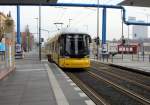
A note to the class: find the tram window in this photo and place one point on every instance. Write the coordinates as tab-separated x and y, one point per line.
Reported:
49	48
53	46
61	45
56	47
80	44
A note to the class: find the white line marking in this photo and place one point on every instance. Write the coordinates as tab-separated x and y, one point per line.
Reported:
66	77
59	95
31	69
82	95
77	89
43	60
63	74
69	80
72	84
89	102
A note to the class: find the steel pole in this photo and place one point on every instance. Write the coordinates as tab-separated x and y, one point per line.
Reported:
97	29
18	24
69	22
104	28
122	32
40	32
128	38
37	27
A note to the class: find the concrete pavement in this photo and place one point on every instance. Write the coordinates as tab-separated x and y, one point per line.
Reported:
40	83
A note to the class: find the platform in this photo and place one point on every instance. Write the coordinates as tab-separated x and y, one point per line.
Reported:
40	83
141	66
128	62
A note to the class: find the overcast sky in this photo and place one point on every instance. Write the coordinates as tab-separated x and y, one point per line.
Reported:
84	19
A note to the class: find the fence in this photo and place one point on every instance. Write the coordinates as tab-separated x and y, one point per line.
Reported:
123	58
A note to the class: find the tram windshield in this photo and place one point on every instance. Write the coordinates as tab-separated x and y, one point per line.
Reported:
76	45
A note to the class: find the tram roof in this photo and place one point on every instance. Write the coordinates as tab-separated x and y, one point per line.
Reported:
26	2
64	31
141	3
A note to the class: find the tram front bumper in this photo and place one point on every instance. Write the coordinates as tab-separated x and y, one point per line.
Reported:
75	63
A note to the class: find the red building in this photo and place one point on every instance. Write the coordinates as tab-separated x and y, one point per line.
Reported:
27	41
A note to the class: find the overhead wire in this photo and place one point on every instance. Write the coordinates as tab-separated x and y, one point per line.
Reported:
108	1
62	15
87	16
80	17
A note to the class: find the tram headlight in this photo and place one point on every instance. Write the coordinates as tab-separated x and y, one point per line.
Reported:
66	56
87	56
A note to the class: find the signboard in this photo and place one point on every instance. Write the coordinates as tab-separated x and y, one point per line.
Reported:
18	48
2	47
26	2
104	48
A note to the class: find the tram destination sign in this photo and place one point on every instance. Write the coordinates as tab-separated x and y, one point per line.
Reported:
26	2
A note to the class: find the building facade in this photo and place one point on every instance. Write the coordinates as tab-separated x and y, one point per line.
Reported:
3	17
7	39
140	32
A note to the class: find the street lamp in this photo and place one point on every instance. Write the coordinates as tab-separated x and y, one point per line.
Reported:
57	23
128	38
69	22
97	27
122	36
40	32
37	27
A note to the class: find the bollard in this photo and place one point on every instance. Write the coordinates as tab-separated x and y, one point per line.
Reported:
112	58
143	57
103	57
132	56
138	56
100	57
107	57
122	56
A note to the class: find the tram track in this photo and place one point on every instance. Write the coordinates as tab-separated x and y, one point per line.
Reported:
111	87
138	88
124	78
130	83
130	75
126	91
89	91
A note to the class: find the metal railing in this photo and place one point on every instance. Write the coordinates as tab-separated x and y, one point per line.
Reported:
126	58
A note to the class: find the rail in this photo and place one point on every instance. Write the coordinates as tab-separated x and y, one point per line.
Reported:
89	91
122	89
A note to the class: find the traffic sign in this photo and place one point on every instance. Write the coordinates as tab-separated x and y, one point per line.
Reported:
2	47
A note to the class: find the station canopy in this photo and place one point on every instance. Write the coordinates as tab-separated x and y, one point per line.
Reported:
26	2
141	3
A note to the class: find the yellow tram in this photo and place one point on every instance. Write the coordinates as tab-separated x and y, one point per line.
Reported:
69	49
